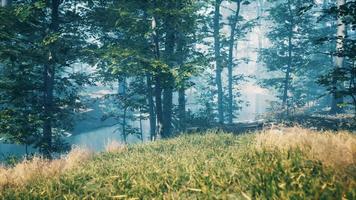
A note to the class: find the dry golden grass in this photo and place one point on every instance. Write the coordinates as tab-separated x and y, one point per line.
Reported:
38	168
214	165
335	149
114	146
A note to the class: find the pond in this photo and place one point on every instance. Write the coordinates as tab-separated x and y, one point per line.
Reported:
95	140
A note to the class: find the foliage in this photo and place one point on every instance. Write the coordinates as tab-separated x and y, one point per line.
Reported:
26	48
133	44
340	81
291	58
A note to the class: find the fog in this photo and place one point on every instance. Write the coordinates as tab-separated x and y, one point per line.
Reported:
93	133
94	130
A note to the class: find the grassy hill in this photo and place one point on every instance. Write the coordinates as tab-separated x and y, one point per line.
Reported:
291	163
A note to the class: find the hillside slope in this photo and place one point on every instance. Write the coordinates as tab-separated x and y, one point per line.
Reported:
271	165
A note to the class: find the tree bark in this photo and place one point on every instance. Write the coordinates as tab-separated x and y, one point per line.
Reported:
122	94
287	74
141	126
151	109
157	80
123	126
289	64
48	108
181	90
218	61
338	59
230	60
182	109
260	11
159	111
167	108
169	79
49	76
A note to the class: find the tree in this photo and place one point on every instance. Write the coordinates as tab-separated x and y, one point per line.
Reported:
62	46
218	60
170	44
233	23
340	80
148	45
289	56
39	94
188	59
338	59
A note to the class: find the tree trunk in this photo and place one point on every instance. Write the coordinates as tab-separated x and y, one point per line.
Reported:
218	61
182	109
338	59
169	79
158	81
123	126
159	112
167	107
48	108
5	3
141	127
122	93
49	76
287	74
230	61
151	111
181	43
260	11
352	85
286	86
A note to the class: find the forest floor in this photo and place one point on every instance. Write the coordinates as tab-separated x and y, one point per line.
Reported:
278	163
321	122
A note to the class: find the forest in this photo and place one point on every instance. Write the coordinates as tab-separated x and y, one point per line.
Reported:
177	99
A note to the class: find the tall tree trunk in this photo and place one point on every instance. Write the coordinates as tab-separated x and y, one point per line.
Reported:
182	108
181	89
159	111
338	59
230	61
123	125
5	3
329	97
353	85
149	78
122	93
48	109
141	126
49	76
260	11
286	86
169	79
167	107
218	61
158	80
151	109
287	74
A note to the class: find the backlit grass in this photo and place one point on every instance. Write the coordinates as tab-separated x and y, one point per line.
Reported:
205	166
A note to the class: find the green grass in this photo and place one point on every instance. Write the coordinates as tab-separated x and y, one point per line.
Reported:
210	166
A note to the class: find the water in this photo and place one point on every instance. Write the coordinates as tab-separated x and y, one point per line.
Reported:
13	149
95	140
89	132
